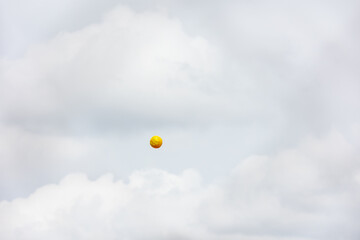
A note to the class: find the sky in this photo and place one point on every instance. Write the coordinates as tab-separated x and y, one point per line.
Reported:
257	103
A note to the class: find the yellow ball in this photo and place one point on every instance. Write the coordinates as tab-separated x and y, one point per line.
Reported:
156	141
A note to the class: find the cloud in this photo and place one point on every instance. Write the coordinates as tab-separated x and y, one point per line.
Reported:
265	74
144	69
152	204
130	68
85	94
60	16
308	192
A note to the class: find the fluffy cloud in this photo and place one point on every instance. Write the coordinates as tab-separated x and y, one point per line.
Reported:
129	73
130	68
152	205
267	74
141	70
310	192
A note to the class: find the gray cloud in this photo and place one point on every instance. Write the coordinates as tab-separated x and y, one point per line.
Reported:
86	85
300	193
310	191
132	68
254	77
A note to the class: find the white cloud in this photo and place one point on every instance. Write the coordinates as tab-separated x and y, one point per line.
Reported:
129	68
276	72
310	192
129	73
153	204
282	62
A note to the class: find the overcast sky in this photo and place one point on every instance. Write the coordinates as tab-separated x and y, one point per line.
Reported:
257	102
